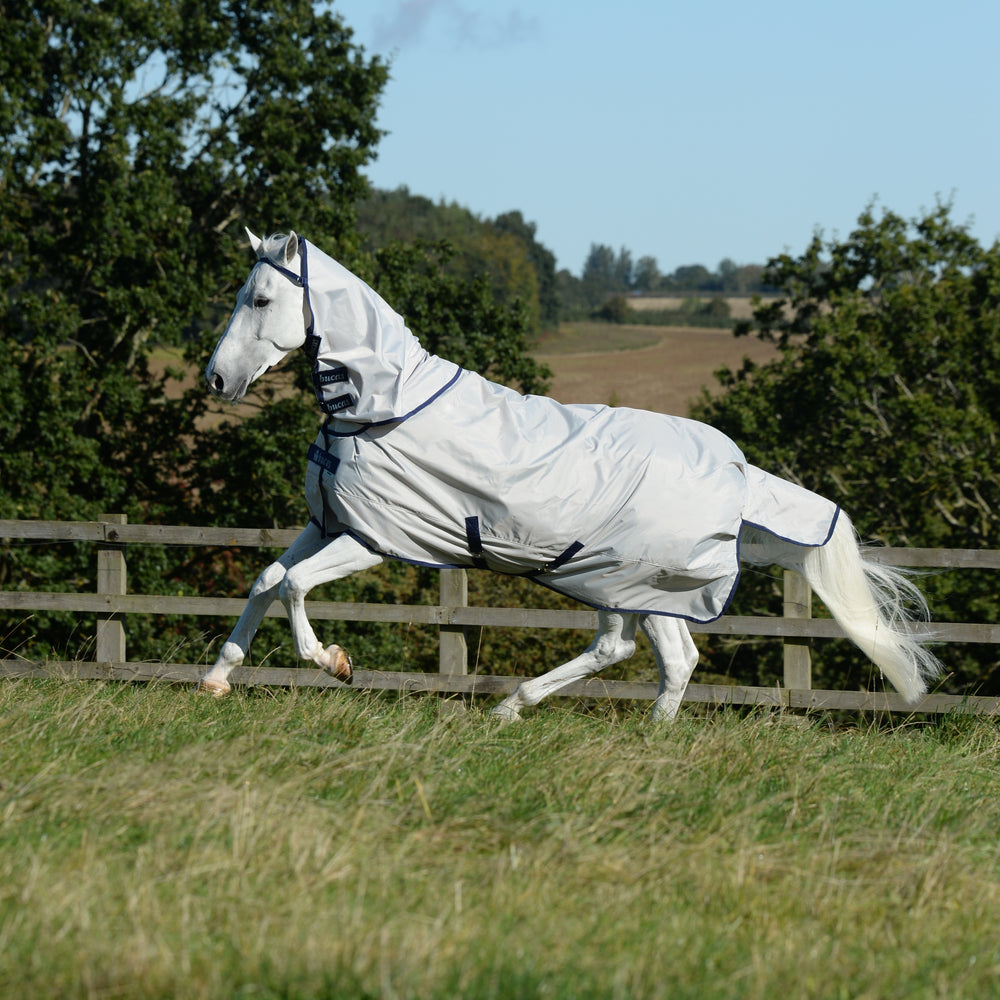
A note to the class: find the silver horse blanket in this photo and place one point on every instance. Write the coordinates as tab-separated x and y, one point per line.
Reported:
621	509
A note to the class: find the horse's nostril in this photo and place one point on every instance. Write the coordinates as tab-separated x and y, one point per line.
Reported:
217	384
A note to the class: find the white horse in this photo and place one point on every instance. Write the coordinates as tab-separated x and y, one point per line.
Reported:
643	516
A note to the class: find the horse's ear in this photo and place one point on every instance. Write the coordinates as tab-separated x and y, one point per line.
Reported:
255	242
291	248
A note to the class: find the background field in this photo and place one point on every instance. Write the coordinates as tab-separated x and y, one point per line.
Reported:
652	368
740	307
353	845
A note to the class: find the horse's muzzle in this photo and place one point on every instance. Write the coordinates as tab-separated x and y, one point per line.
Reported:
218	387
232	391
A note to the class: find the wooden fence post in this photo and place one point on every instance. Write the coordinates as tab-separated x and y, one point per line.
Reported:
797	604
454	654
111	580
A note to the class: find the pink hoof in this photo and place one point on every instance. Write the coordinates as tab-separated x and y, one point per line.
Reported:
337	664
218	689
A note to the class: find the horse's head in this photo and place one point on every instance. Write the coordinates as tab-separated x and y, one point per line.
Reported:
268	322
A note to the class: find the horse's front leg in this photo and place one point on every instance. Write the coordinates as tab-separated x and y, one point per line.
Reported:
264	592
614	642
341	557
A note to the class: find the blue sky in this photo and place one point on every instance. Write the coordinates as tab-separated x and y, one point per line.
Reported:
689	131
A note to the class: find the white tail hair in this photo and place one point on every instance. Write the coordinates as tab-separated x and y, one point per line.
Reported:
875	605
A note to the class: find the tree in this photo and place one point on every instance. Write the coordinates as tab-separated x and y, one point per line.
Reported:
598	279
728	273
457	319
614	310
606	273
623	270
647	274
541	258
137	137
691	278
886	398
503	250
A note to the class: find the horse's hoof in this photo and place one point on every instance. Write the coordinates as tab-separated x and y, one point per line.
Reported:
216	688
505	713
338	664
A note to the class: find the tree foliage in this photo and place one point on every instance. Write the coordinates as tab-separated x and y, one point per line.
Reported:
607	274
138	136
885	398
504	251
459	318
135	135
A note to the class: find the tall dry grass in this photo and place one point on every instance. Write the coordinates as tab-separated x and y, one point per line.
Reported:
292	844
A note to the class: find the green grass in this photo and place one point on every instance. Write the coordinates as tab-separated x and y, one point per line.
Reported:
310	845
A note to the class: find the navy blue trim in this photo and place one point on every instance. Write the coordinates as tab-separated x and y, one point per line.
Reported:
550	584
312	344
475	538
564	557
795	541
326	463
284	270
326	534
560	560
361	428
311	329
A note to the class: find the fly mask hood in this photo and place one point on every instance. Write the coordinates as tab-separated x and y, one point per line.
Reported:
268	322
368	368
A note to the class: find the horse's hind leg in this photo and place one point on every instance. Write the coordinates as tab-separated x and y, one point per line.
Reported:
264	592
614	642
676	658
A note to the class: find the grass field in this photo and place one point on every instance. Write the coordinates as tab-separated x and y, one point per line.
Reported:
653	368
297	845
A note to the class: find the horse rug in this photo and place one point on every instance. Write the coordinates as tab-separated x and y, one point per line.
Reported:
423	461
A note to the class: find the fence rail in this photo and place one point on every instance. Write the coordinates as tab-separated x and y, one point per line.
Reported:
110	603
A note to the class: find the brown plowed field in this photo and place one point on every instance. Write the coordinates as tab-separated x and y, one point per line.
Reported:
664	375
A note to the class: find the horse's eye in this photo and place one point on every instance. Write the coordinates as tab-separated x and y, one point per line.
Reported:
261	301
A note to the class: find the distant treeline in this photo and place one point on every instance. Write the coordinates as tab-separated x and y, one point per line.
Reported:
504	252
607	274
713	311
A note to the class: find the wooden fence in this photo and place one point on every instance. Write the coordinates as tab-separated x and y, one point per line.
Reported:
111	603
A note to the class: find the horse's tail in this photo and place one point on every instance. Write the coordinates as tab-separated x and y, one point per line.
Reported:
876	606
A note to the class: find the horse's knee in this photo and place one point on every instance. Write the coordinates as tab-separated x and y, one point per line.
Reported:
624	649
290	588
612	649
269	580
